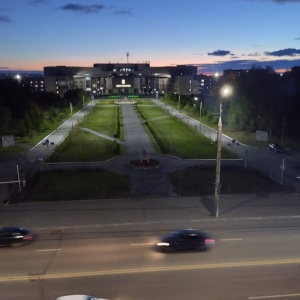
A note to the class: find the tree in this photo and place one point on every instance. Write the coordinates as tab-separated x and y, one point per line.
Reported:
240	114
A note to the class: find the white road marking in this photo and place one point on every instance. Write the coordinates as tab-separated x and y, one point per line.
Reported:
47	250
274	296
229	240
142	244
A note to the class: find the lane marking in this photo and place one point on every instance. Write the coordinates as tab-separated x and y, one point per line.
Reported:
47	250
154	270
142	244
229	240
113	225
274	296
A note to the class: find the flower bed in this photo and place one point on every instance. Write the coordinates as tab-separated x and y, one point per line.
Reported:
145	164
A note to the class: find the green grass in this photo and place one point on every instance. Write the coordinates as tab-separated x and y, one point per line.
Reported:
83	146
25	143
248	138
101	184
234	180
184	140
102	119
75	185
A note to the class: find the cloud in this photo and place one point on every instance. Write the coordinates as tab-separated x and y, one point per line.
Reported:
38	1
94	8
122	12
284	52
254	54
286	1
279	1
247	64
219	53
5	19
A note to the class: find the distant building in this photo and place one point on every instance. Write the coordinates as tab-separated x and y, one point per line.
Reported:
123	79
35	83
32	81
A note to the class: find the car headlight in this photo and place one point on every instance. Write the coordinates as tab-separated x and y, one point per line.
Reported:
162	244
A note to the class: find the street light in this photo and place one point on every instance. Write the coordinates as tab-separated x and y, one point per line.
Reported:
225	92
200	110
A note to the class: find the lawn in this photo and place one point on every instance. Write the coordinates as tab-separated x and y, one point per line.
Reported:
195	181
83	146
75	185
184	141
101	184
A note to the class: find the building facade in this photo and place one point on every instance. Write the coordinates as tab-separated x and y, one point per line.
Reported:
123	79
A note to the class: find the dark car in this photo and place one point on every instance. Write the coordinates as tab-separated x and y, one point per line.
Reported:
276	148
185	240
14	236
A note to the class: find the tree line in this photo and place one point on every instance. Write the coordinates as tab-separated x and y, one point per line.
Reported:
262	99
23	113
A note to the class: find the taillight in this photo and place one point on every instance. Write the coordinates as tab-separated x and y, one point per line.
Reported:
209	242
27	237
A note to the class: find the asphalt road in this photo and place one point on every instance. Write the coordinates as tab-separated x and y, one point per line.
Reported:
251	260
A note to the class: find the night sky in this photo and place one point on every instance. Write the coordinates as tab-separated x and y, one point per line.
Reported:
213	34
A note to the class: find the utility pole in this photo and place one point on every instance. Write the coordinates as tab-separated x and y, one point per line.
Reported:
218	164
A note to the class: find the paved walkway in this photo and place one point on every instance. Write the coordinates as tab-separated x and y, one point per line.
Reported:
137	140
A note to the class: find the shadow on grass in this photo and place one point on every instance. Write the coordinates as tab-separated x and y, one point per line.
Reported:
194	181
68	185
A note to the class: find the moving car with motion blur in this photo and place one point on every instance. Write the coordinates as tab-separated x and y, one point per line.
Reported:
185	240
276	148
15	236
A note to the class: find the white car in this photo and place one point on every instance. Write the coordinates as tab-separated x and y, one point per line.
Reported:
78	297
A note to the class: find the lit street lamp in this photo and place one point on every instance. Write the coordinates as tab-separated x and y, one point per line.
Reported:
101	88
225	92
200	110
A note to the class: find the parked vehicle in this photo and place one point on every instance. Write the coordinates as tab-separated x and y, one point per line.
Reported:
15	236
185	240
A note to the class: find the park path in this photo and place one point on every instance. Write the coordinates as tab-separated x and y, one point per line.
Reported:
144	183
137	140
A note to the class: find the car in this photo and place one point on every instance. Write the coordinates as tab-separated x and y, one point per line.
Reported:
276	148
78	297
15	236
185	240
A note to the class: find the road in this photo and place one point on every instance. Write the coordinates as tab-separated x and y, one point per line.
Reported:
251	260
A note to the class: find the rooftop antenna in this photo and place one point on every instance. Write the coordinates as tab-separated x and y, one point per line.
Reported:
127	54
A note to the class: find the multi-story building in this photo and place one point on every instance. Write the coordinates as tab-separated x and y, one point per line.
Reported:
123	79
35	83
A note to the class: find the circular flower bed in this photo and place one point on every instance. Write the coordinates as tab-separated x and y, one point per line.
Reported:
145	164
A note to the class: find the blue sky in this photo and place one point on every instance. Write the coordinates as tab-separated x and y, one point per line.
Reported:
212	34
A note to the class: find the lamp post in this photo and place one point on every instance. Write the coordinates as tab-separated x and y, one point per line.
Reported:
224	93
218	164
200	110
101	88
